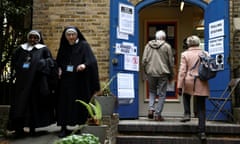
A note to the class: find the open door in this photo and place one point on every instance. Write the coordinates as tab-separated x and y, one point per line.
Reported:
124	57
217	43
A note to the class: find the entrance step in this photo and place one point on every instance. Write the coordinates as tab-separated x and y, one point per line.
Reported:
172	131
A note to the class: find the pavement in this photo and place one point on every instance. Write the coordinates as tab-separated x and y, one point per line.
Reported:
46	135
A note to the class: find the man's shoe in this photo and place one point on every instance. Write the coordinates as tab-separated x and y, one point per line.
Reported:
158	118
185	118
202	136
150	114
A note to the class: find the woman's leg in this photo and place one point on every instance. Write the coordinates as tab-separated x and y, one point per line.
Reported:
201	116
187	108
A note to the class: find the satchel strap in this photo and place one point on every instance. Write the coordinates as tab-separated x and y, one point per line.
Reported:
195	65
195	76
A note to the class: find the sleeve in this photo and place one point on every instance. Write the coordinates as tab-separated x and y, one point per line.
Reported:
92	67
46	63
182	71
171	61
13	64
145	56
60	57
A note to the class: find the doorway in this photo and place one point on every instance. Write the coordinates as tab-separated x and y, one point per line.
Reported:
177	24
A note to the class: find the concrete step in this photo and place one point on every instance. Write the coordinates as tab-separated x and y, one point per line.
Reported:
145	131
191	139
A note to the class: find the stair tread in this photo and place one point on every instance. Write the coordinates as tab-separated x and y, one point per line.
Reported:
173	125
172	131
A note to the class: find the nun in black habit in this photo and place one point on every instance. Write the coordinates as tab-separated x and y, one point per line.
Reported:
31	104
78	78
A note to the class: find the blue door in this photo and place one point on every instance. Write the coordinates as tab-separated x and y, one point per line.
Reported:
124	60
217	43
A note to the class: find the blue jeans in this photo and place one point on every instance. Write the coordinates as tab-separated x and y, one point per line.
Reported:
157	87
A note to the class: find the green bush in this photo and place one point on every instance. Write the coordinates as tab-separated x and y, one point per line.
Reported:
84	138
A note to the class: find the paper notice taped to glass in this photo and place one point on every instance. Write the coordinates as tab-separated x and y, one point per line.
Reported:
125	83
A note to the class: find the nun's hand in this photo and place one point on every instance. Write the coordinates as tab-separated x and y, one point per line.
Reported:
59	72
81	67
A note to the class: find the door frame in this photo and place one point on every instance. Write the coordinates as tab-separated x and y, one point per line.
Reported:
198	3
171	102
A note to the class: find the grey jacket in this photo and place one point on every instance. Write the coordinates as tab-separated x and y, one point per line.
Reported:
158	59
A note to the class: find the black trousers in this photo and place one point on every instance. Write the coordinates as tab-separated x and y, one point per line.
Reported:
201	109
186	104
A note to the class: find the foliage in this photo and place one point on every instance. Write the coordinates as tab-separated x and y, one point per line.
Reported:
105	88
12	31
15	18
1	133
16	7
94	110
84	138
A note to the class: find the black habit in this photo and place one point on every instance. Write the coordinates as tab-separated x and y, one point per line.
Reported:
75	85
32	105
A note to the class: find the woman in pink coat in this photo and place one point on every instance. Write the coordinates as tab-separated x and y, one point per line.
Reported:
187	84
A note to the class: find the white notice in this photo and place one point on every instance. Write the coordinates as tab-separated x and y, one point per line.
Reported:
216	46
126	19
125	82
216	29
131	62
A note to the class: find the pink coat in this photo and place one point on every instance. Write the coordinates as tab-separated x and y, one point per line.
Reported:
185	80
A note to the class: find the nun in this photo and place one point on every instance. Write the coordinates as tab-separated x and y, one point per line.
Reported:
31	104
78	79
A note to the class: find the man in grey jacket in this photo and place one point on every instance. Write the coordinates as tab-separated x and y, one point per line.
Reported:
158	62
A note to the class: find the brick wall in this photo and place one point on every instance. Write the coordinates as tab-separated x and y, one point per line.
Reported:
235	54
90	16
134	2
112	129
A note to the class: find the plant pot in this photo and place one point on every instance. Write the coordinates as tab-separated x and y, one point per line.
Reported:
107	103
98	131
94	122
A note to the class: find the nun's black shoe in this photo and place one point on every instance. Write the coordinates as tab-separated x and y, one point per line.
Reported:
18	134
64	133
32	132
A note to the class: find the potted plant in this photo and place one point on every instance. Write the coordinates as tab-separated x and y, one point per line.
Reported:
106	98
94	122
94	110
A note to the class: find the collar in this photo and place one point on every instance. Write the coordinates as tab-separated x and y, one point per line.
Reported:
195	48
28	47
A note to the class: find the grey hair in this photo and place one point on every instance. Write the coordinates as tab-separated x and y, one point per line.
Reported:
160	35
193	41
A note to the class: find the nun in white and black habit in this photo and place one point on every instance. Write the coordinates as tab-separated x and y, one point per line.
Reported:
78	78
32	102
